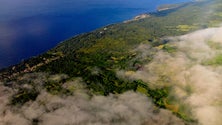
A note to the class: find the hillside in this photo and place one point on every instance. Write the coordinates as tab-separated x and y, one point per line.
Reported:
161	69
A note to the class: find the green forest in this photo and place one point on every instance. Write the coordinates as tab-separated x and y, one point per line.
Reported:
97	56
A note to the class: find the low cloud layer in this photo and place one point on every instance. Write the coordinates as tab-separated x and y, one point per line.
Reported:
129	108
191	71
195	82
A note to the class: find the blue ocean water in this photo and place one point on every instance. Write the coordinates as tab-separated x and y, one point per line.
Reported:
30	27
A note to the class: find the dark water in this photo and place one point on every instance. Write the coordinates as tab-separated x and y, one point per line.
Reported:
30	27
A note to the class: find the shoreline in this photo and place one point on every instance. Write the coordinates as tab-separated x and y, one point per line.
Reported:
135	18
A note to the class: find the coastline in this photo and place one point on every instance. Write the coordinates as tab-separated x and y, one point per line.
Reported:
135	18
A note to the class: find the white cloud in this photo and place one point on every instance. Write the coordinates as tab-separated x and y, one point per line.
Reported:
194	84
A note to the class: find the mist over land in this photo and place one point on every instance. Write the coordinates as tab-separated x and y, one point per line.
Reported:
160	70
193	72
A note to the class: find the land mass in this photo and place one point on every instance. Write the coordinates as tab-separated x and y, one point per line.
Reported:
133	56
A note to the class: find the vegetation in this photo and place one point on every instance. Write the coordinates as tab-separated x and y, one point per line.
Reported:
96	56
159	96
217	60
23	96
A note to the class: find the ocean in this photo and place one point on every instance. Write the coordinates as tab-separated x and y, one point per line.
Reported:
31	27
